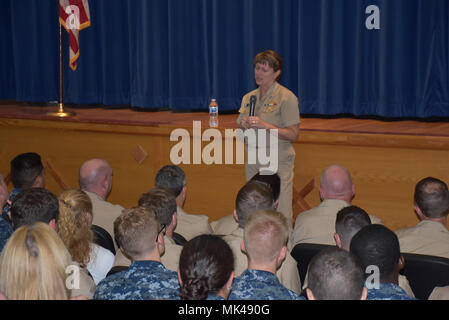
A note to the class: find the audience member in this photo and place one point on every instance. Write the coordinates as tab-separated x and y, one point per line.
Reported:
349	221
5	224
228	224
35	205
95	178
254	196
40	205
139	234
317	225
189	225
75	222
163	202
33	265
378	251
27	172
206	269
265	243
335	274
430	236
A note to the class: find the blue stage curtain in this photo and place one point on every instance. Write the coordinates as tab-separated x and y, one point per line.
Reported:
7	77
181	53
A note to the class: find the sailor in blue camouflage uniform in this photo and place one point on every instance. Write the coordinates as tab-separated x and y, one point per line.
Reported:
141	237
144	280
27	171
388	291
5	226
5	232
260	285
378	247
7	206
265	243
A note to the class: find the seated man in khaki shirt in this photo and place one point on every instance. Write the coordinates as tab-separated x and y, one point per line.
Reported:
228	224
430	236
189	225
95	178
317	225
254	196
163	202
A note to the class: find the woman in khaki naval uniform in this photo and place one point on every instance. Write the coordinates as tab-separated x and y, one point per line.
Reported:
276	108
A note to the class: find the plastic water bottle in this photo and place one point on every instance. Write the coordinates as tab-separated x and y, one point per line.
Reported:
213	114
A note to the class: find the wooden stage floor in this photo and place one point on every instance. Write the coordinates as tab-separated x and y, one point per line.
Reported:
10	109
386	158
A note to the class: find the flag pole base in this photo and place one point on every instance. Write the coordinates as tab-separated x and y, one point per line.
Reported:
61	113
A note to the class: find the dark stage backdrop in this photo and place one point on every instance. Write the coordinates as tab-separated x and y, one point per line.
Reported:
385	58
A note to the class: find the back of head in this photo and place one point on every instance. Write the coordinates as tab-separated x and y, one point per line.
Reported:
253	196
92	172
136	230
171	177
348	222
75	220
162	201
336	183
265	233
33	264
272	180
335	274
205	265
25	168
34	205
376	245
432	197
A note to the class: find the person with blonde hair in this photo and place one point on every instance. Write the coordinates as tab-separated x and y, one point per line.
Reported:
75	222
265	243
33	265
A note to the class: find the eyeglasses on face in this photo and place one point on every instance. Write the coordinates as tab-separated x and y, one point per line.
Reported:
162	230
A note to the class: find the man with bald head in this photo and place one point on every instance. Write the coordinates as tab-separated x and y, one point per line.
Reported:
317	225
95	178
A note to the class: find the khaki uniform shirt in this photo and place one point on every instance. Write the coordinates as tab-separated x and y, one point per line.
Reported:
170	258
225	226
192	225
440	293
104	213
317	225
287	274
427	237
280	108
87	285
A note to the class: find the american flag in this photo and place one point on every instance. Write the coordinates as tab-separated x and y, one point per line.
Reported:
74	15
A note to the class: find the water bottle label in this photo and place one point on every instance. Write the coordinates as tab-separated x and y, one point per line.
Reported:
213	109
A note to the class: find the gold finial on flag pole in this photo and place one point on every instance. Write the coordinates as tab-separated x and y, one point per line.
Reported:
61	113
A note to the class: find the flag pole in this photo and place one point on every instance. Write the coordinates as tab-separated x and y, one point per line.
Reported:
61	113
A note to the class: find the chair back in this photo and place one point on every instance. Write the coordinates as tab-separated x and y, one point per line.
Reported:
424	273
103	238
303	253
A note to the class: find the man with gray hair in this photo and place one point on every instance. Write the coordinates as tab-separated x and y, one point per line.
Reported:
317	225
189	225
95	178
